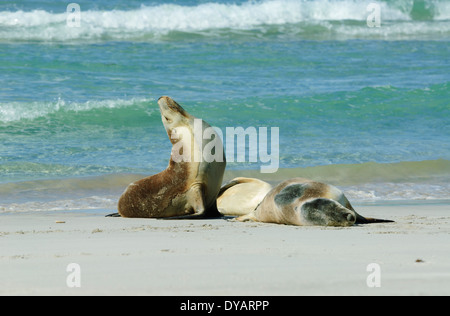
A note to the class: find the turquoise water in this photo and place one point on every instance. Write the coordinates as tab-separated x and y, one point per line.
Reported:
78	112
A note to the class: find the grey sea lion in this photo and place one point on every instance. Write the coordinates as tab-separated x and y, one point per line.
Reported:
188	187
303	202
241	196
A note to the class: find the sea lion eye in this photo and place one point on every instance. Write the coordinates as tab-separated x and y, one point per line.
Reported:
168	119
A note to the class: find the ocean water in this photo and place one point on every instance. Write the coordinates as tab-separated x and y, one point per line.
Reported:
365	108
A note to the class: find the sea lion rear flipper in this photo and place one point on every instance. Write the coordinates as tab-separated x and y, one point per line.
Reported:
247	218
113	215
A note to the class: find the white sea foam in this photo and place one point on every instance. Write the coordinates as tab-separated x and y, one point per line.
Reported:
155	21
16	111
443	11
87	203
374	192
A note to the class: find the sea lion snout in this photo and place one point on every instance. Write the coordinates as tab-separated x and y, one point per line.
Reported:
170	108
322	211
165	103
351	218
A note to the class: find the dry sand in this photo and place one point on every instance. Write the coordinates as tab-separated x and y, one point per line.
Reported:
120	256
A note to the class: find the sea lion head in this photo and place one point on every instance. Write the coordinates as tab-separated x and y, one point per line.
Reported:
172	114
326	212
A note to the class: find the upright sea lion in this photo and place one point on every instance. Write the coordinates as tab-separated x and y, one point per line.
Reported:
189	186
241	196
303	202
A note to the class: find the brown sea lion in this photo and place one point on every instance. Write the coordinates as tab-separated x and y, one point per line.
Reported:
189	186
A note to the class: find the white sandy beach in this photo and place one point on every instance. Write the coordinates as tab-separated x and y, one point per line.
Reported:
120	256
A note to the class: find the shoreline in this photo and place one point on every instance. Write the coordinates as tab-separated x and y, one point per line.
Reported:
120	256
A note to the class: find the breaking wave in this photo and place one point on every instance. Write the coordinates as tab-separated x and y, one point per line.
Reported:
329	19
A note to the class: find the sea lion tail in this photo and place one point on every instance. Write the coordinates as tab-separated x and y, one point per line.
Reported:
367	220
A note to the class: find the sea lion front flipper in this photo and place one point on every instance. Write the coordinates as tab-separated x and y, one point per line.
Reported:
196	199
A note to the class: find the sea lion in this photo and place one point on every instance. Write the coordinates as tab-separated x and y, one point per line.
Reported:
188	187
241	196
303	202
